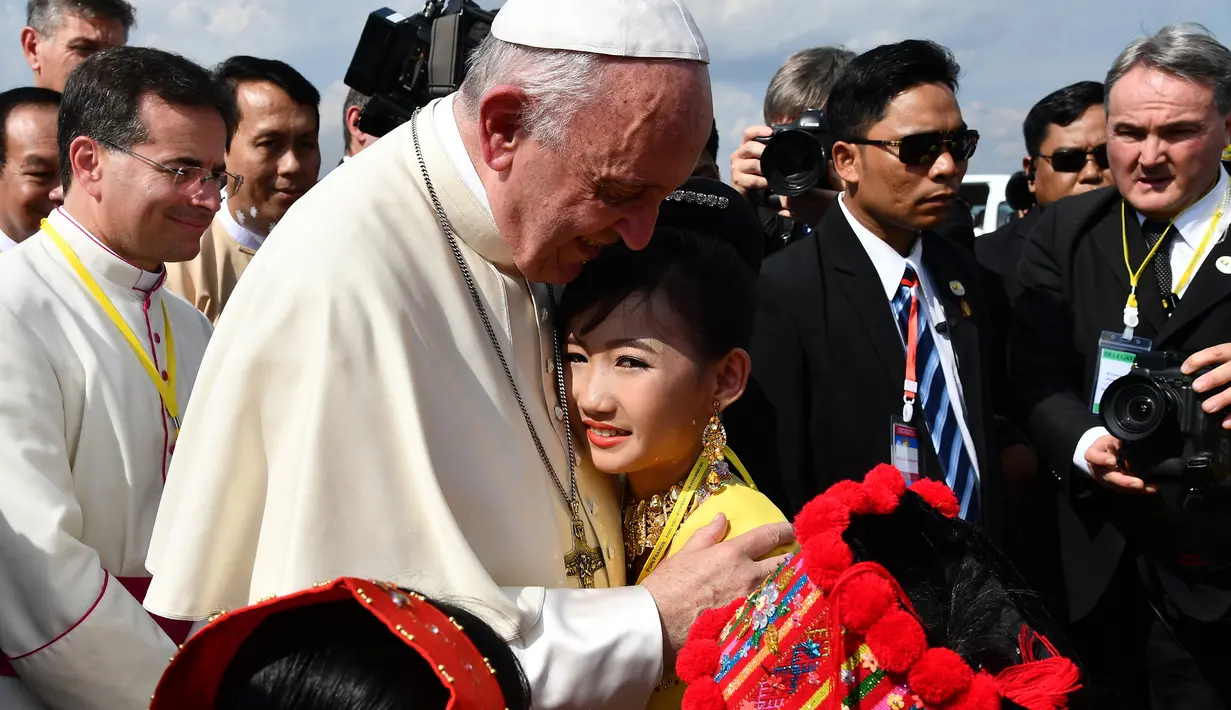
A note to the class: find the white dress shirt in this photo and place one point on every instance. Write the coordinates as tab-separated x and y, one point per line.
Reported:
1192	225
240	233
890	266
6	243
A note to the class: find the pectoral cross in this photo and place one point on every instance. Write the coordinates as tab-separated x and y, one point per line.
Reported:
582	561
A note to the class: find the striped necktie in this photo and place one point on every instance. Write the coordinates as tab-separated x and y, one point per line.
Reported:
938	412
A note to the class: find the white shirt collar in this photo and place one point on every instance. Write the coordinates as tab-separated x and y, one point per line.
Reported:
890	265
6	243
451	139
100	259
246	237
1195	221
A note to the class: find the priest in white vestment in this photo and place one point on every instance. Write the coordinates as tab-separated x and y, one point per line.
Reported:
353	416
97	361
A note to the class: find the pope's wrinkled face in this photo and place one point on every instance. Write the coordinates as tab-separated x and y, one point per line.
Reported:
1165	140
558	206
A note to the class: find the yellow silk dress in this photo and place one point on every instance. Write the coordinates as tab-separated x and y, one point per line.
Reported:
746	509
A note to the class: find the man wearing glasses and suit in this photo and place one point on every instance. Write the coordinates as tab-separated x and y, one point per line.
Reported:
97	365
872	338
1106	276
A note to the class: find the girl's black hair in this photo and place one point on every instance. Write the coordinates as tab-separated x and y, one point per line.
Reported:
703	279
338	656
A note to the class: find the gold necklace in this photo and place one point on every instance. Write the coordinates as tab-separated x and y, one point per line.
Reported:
644	520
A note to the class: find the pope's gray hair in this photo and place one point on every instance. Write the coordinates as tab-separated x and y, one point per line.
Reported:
1186	50
558	83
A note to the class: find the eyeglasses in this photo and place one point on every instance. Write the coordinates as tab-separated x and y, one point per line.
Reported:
189	179
925	148
1073	160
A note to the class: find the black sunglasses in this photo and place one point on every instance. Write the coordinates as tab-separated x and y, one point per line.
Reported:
925	148
1073	160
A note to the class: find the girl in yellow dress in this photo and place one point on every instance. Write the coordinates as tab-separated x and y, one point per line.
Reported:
656	350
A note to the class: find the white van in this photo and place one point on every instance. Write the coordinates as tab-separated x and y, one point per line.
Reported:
988	205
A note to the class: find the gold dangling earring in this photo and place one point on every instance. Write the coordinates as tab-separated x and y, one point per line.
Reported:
713	447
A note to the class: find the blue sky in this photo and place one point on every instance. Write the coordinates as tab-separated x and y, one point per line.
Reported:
1011	56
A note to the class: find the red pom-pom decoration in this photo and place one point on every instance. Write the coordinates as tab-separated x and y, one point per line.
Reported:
897	641
826	557
939	496
698	659
710	623
821	514
939	675
853	494
884	486
982	694
703	695
863	601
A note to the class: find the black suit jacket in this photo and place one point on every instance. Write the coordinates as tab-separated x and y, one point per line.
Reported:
828	365
1001	251
1074	286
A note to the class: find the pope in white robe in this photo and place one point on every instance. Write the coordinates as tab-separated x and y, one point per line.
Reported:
84	447
353	418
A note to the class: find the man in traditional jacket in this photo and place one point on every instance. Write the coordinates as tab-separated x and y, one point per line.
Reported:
276	149
96	367
382	397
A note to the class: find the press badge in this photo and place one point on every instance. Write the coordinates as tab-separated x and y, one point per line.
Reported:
904	449
1116	355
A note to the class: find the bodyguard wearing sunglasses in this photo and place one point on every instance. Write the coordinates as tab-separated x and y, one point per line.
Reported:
1148	260
97	364
1066	145
872	336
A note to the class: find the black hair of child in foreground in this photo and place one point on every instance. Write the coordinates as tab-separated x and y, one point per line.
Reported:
350	644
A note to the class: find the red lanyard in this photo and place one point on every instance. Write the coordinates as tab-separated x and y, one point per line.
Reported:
910	384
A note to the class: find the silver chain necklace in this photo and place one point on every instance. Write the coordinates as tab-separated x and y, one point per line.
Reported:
582	561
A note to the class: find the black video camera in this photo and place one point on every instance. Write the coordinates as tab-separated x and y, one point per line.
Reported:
796	157
1164	433
403	63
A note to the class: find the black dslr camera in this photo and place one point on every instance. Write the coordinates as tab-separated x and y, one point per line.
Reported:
1165	435
403	63
796	157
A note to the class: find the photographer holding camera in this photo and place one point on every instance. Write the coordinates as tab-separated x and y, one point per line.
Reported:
800	85
1142	274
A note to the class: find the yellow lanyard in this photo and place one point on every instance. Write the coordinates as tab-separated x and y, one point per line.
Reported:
166	388
691	484
1131	318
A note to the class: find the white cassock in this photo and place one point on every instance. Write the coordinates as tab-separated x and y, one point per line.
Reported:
352	418
84	445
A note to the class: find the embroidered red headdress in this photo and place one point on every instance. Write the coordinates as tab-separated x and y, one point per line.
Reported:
191	682
825	631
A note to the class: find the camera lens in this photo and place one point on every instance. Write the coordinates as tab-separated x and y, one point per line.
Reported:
1140	409
1133	408
794	162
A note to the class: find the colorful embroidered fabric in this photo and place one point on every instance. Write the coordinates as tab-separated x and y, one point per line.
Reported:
826	632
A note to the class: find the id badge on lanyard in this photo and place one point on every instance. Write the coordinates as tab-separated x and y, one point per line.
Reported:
1116	355
904	450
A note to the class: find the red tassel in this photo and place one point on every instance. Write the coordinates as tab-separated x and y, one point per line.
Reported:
1042	684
